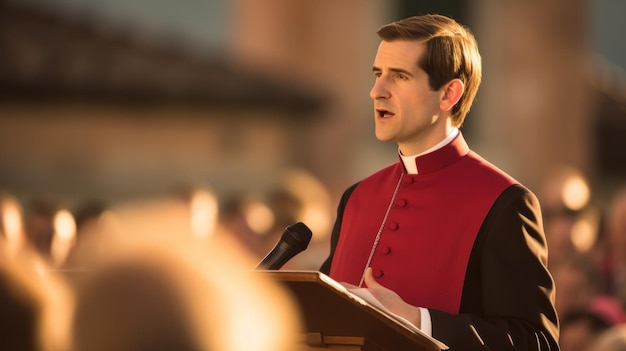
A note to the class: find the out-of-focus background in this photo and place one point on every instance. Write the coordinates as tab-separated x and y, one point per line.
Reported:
106	101
258	113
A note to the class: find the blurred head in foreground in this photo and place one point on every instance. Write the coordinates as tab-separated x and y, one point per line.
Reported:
164	289
35	304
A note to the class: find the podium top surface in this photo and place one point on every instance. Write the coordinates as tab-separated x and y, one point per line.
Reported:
330	309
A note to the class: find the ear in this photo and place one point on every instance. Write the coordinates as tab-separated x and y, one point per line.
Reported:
452	93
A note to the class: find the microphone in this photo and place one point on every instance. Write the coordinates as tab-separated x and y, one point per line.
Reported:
294	240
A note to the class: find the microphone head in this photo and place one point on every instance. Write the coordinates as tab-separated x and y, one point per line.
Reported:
298	236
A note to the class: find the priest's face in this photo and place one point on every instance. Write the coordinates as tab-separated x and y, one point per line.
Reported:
407	111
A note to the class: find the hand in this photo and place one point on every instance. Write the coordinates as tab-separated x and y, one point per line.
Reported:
392	301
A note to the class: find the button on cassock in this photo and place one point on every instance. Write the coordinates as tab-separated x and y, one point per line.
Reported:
378	273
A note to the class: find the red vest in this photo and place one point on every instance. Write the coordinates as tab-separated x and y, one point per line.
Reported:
427	239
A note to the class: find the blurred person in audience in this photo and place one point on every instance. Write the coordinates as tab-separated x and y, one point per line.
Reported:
39	224
259	220
202	205
311	205
50	229
580	329
87	215
615	226
571	218
578	283
613	339
35	305
89	212
286	207
246	220
581	287
155	286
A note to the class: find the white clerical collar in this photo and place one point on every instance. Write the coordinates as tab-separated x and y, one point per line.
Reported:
409	161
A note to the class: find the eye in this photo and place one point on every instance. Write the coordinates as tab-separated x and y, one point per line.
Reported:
402	76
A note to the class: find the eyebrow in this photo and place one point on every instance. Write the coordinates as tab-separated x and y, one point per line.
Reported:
396	70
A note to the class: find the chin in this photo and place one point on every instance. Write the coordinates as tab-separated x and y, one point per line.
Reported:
384	139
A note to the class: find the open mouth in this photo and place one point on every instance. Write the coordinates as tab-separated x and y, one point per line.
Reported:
382	113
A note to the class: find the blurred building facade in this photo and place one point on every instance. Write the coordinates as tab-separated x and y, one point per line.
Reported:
87	111
289	87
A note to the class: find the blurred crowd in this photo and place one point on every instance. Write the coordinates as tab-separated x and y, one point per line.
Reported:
152	273
587	257
174	272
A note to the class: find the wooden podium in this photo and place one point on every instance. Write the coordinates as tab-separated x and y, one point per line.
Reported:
337	320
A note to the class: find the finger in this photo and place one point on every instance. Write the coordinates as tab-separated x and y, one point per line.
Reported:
369	279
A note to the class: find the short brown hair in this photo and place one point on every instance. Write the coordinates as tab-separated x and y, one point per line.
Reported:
451	52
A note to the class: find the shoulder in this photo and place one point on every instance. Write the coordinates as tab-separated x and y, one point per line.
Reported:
486	168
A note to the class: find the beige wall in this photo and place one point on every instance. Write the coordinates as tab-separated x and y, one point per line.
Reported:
327	44
533	110
79	152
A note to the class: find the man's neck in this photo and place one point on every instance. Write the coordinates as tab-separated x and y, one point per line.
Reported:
427	145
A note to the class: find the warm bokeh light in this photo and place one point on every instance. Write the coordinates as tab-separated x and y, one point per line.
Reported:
317	216
204	213
12	220
259	217
565	189
64	236
12	223
584	235
575	193
64	225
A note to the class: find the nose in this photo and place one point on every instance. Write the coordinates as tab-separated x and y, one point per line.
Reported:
379	90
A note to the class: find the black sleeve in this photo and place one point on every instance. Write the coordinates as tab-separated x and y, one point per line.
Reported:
508	295
334	239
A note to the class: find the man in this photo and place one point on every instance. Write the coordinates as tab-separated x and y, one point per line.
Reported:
442	237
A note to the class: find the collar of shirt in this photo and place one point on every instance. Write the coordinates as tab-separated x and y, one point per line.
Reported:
409	161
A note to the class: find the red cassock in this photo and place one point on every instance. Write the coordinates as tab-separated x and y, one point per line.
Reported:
461	238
